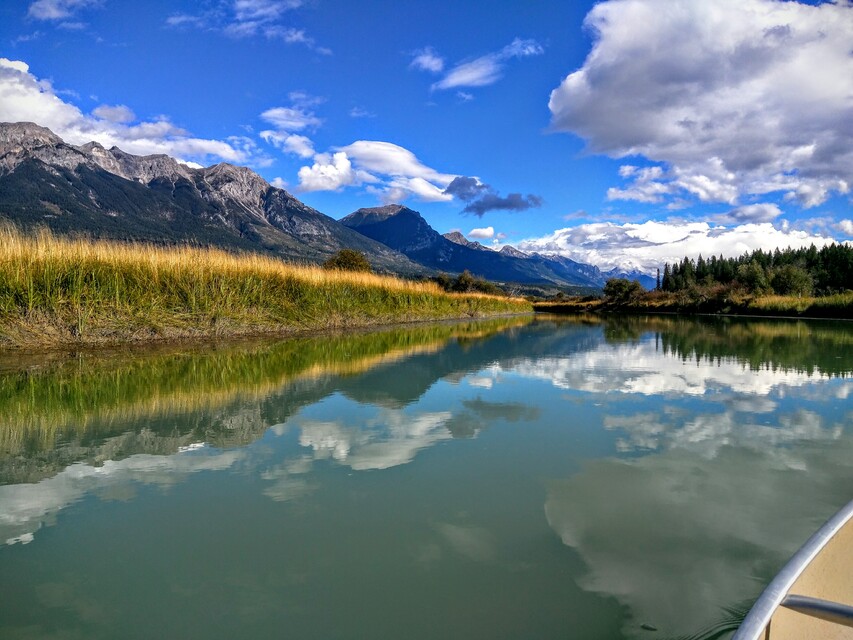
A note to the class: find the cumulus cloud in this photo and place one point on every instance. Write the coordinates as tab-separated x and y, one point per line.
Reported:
328	173
846	227
482	198
647	246
427	59
483	233
748	97
392	172
487	69
26	98
57	9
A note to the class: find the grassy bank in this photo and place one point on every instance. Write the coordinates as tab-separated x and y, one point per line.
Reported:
839	306
58	291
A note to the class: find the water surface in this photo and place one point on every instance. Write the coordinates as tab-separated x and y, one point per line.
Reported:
588	478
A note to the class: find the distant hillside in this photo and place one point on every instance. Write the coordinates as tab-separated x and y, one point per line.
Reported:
406	231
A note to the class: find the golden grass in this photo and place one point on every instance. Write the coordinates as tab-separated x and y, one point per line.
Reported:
56	290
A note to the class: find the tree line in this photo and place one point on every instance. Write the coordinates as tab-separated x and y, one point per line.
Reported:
797	272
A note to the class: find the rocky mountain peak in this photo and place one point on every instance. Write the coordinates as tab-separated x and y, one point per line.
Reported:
237	183
458	238
507	250
375	215
16	137
141	169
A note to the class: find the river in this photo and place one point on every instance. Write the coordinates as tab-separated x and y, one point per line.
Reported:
516	478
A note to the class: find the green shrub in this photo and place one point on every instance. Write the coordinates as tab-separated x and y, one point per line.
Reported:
348	260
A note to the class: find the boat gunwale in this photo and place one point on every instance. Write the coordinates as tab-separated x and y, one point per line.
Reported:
771	598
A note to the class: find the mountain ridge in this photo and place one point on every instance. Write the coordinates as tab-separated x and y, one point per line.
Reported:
112	194
406	231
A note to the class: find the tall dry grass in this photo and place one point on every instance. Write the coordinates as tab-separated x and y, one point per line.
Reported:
60	290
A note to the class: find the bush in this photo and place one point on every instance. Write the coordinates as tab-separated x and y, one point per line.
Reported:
467	283
348	260
622	290
791	280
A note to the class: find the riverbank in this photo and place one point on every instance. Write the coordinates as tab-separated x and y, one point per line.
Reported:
61	292
838	306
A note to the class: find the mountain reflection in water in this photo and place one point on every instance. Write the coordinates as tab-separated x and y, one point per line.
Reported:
679	462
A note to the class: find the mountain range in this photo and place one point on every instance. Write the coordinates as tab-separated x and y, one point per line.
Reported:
107	193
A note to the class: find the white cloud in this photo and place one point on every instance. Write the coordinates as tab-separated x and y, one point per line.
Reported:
391	159
401	187
57	9
747	97
117	113
361	112
26	98
248	18
291	118
427	59
482	234
649	245
393	173
487	69
294	118
262	10
846	227
364	161
290	142
331	173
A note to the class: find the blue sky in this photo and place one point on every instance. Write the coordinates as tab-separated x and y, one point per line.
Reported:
621	133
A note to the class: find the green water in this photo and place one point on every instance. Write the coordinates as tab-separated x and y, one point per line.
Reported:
521	478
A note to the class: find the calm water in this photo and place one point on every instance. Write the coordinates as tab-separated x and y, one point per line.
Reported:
632	478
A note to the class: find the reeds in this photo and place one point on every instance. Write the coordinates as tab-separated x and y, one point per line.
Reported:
56	290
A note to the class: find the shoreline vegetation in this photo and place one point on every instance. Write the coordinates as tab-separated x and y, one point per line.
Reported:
57	292
797	283
838	306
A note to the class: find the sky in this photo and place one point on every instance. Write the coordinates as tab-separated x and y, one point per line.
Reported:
621	133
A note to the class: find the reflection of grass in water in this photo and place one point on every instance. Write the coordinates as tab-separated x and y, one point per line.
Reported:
94	397
784	344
